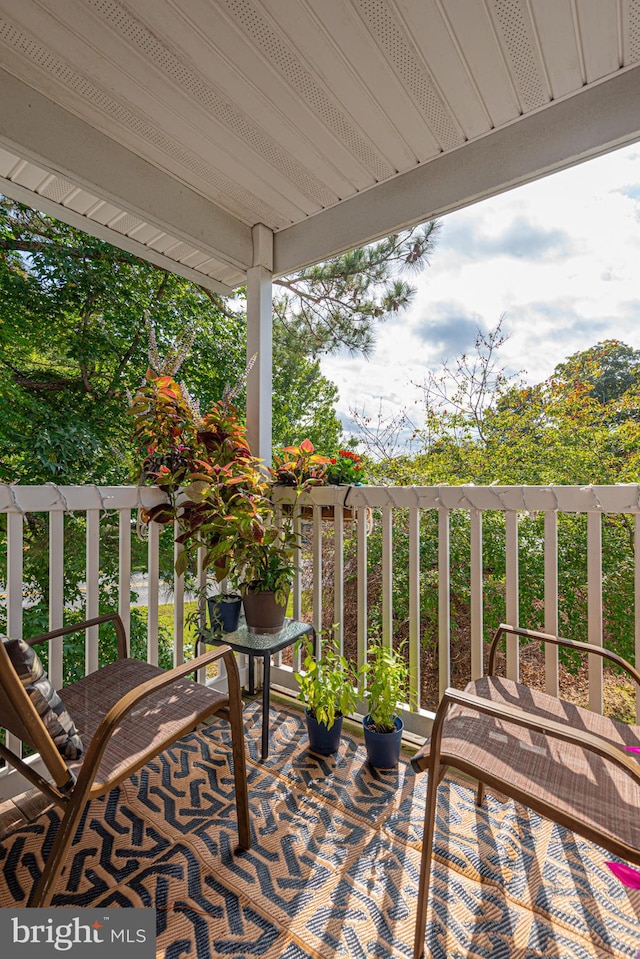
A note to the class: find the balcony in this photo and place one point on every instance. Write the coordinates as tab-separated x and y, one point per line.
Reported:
335	861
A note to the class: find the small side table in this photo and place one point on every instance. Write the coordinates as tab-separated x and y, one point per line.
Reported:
259	644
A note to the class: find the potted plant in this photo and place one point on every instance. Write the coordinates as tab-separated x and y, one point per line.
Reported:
328	690
299	466
216	491
268	567
224	611
346	469
386	681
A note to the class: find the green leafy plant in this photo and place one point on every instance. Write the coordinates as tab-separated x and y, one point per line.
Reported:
327	685
347	468
268	564
386	680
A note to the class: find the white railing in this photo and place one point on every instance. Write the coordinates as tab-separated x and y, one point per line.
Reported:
379	505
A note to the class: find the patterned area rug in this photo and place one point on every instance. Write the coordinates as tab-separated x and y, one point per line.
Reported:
333	871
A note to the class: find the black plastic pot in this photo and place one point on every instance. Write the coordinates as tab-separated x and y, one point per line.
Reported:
383	749
322	740
224	612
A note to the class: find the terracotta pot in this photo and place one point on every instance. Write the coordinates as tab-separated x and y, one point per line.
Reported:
262	613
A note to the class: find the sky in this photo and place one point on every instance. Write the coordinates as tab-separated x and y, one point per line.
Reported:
558	258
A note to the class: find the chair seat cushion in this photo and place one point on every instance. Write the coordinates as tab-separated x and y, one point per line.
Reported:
152	725
542	771
46	700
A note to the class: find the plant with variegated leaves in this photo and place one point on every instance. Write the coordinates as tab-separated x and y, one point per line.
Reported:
216	489
300	466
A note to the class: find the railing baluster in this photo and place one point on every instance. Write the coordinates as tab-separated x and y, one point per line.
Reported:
512	591
551	601
93	588
297	581
15	545
338	574
317	568
477	622
153	584
56	593
178	604
362	586
594	591
124	568
444	602
414	607
636	595
387	575
202	607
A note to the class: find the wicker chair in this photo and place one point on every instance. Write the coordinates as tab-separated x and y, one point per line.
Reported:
126	713
562	761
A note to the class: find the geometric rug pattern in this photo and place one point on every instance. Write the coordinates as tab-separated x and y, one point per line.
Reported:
333	871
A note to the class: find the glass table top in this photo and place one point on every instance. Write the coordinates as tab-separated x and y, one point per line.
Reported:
242	640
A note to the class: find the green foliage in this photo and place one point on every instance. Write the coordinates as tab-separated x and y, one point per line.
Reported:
327	686
579	427
335	304
346	468
386	679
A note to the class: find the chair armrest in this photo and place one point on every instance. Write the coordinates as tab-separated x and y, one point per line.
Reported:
123	651
112	719
589	648
520	717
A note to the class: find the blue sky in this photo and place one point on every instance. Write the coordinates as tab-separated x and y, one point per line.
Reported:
559	258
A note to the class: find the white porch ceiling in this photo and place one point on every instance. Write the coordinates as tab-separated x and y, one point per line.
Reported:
173	127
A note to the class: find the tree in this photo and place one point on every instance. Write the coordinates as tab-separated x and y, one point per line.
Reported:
335	305
609	369
580	426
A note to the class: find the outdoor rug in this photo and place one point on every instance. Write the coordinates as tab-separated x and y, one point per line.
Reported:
334	867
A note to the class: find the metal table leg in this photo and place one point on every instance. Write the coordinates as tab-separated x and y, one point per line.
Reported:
251	689
266	687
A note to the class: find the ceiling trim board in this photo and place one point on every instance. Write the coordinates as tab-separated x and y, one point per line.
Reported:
81	222
78	152
594	121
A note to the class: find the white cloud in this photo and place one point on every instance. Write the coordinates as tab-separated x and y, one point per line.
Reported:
558	257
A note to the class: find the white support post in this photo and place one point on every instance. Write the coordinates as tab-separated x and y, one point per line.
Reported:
259	344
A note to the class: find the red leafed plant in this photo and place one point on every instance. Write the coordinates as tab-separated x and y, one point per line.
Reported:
216	489
300	466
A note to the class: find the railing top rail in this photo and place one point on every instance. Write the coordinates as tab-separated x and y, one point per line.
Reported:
621	498
52	498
